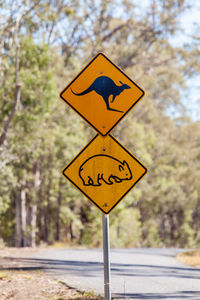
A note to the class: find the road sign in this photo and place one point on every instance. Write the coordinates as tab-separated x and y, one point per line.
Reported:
104	171
102	94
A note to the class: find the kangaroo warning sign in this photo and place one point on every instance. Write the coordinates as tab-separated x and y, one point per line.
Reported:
104	171
102	94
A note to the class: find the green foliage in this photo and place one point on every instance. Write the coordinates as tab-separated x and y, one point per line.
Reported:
125	227
55	40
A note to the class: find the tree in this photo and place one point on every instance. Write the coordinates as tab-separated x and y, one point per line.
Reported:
45	44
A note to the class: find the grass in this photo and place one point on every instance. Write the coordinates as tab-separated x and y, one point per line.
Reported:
87	296
40	285
191	258
4	276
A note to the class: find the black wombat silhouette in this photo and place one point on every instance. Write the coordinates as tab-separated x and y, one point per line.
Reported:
105	86
95	170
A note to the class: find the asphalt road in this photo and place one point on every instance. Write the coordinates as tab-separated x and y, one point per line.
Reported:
135	273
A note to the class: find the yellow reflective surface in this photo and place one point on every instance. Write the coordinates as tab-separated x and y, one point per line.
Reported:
109	94
104	171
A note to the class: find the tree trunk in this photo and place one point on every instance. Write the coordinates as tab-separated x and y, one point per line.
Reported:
36	184
23	216
71	231
20	213
18	216
33	223
40	215
47	211
28	221
57	237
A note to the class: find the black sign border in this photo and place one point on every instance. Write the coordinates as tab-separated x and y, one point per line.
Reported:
143	93
84	192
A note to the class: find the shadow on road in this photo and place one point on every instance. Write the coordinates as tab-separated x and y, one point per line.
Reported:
89	269
178	295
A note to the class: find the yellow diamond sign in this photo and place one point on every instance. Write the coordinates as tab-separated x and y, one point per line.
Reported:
102	94
104	171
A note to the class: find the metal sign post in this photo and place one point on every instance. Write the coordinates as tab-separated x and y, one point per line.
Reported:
106	255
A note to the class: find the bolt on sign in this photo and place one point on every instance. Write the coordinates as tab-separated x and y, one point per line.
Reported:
104	171
102	94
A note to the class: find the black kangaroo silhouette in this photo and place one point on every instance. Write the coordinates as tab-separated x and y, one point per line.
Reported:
105	86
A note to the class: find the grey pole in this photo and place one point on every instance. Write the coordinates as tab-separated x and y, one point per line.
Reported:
106	255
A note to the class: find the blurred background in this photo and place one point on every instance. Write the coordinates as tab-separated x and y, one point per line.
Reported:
43	45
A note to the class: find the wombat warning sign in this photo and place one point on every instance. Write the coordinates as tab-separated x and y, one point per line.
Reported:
104	171
102	94
117	172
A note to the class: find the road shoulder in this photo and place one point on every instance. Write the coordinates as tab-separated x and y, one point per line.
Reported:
22	279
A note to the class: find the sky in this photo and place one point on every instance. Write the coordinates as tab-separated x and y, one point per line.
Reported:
189	21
